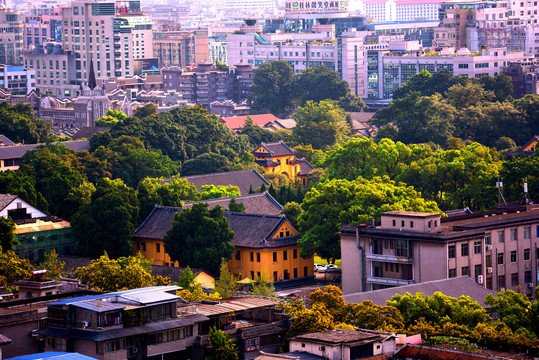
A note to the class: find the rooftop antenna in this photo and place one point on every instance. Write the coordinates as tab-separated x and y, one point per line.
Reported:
499	186
527	198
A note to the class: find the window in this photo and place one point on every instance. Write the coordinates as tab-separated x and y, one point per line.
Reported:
252	254
501	281
274	256
143	246
463	66
285	255
501	236
394	223
527	277
514	279
275	276
238	255
305	271
402	223
487	239
295	253
513	256
452	273
464	251
526	254
158	247
411	224
252	344
514	234
465	270
527	232
451	251
477	247
500	259
478	269
295	273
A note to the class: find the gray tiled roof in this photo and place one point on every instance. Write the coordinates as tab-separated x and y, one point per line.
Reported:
260	203
243	179
5	140
454	287
18	151
278	149
6	199
250	230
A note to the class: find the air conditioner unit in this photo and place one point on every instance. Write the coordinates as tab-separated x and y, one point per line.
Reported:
489	247
85	324
479	279
489	270
530	285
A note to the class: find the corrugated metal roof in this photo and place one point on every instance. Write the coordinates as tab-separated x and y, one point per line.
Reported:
99	305
149	297
233	304
54	355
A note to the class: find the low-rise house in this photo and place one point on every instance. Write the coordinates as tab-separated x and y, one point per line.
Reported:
497	249
135	324
261	242
37	285
10	156
527	149
342	344
277	158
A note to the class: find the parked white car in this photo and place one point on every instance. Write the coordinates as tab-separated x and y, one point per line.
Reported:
328	268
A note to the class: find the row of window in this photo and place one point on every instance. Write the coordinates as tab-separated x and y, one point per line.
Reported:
252	255
464	251
286	274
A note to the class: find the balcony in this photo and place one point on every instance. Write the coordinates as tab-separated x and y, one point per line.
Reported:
389	258
389	281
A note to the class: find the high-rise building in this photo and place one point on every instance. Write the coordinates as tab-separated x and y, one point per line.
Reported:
180	48
11	39
111	34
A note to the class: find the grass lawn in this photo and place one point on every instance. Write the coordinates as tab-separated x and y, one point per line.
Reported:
319	260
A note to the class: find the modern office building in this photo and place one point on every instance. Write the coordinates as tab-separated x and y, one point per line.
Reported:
55	70
180	47
108	34
498	249
400	10
525	77
16	80
11	37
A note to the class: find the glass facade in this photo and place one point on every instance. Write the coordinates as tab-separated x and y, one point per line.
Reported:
391	79
429	67
372	69
407	70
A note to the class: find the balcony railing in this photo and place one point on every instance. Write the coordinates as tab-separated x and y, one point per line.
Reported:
388	281
390	258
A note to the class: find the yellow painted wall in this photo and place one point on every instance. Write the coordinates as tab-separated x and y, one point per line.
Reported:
531	146
251	262
285	230
290	170
206	280
244	266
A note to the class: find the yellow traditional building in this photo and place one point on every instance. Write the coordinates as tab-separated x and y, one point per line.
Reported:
528	149
261	242
278	158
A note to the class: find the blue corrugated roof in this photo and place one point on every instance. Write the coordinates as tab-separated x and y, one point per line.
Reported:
78	298
54	355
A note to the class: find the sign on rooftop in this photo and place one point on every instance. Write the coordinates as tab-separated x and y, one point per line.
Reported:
315	7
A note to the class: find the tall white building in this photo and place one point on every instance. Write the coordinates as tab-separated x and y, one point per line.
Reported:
400	10
111	34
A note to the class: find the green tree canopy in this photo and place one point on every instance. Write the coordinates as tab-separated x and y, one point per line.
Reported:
226	285
215	192
131	272
222	346
272	87
108	222
8	240
207	163
333	203
320	124
13	268
307	86
54	267
112	117
19	124
200	237
171	192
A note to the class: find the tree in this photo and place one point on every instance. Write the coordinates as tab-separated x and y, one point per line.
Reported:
222	347
272	87
256	134
307	86
320	124
215	192
131	272
418	118
24	185
187	279
200	238
205	164
333	203
331	298
367	315
170	192
235	206
529	108
505	143
13	268
226	285
500	85
292	211
19	124
352	103
8	240
263	285
111	118
515	310
316	318
145	111
54	267
107	223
